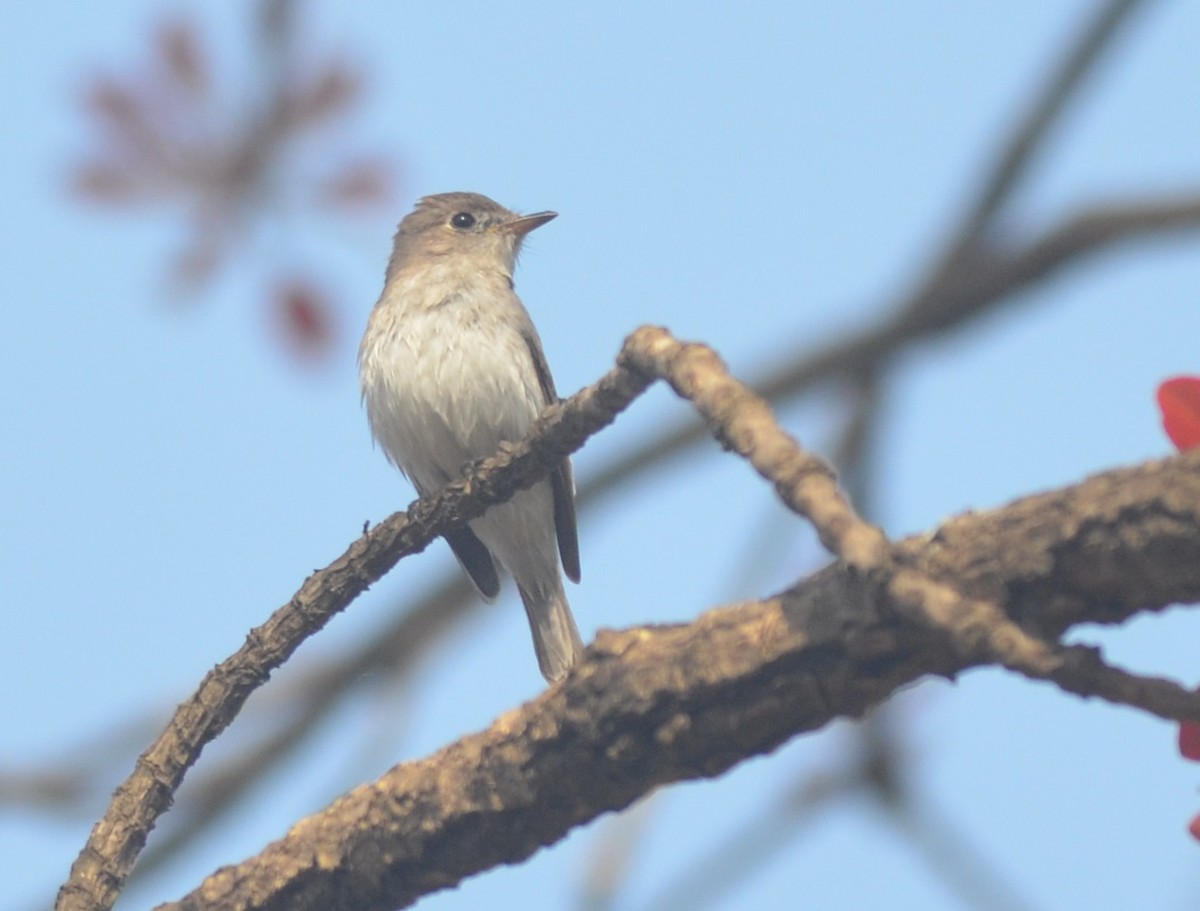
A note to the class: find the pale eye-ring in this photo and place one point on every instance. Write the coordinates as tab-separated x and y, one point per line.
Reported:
463	220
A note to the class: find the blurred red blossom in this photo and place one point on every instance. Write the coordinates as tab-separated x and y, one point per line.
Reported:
302	316
1189	740
359	184
1179	401
229	156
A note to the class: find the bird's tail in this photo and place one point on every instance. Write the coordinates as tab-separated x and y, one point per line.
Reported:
555	636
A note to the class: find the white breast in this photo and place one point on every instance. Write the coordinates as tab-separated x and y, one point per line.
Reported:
446	384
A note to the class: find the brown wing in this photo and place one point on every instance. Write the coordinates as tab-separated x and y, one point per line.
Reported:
562	481
476	560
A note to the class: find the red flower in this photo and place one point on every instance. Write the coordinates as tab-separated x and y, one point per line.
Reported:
303	318
1189	740
229	156
1179	399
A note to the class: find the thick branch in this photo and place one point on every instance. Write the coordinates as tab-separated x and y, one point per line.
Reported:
660	704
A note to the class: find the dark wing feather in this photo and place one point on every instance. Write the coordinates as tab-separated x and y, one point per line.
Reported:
476	559
472	554
563	484
562	481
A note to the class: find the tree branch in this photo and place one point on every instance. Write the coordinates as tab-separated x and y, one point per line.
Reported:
740	420
653	705
99	872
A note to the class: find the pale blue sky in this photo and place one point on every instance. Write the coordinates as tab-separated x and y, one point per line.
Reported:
755	176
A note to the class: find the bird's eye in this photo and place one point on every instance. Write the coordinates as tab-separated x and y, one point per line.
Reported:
463	220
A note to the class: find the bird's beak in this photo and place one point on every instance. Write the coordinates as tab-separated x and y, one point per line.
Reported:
523	224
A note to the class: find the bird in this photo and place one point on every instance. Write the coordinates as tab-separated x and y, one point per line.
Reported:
452	370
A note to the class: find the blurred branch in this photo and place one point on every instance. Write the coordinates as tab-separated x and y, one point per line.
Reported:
945	298
654	705
623	843
875	764
857	443
57	788
870	763
75	784
989	281
1020	149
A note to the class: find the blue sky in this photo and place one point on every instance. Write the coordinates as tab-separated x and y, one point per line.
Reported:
758	177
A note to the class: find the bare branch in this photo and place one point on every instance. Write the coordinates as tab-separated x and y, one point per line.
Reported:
739	419
99	872
743	422
659	704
